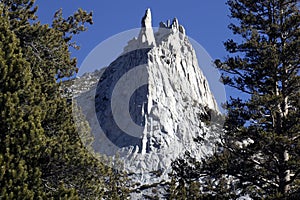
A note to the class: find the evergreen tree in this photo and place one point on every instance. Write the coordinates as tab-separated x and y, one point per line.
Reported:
22	136
259	152
38	134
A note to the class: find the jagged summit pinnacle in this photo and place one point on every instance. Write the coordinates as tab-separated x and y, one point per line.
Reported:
147	19
147	38
174	26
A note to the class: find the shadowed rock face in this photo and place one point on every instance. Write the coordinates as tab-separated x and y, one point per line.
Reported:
104	92
149	102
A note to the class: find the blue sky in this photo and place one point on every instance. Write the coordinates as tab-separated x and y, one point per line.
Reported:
205	21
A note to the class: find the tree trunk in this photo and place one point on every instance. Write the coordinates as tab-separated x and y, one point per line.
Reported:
287	173
282	112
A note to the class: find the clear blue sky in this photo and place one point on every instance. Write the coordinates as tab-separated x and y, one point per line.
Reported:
204	21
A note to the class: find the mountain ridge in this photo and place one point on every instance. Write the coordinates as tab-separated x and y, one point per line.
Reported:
148	104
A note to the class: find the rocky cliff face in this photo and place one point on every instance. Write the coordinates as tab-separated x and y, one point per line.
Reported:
148	105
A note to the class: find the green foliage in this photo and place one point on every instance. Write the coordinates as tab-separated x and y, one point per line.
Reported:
259	151
22	137
42	155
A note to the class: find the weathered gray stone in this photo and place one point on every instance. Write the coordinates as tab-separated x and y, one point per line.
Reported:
165	95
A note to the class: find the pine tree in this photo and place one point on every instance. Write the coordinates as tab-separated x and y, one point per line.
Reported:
22	137
59	164
259	151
